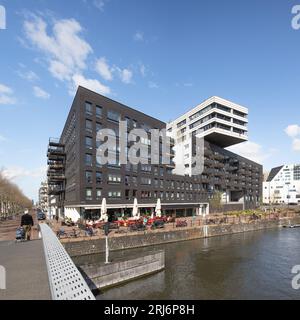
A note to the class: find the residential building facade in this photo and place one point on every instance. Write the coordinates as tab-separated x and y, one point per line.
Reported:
79	181
43	197
282	185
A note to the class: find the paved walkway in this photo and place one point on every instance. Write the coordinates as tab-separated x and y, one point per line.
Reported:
26	271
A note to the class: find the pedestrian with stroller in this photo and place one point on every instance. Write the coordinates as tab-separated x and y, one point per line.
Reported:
27	224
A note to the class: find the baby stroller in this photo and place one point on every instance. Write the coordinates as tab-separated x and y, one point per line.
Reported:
20	234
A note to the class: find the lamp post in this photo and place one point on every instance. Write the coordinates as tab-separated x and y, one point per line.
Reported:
288	196
106	230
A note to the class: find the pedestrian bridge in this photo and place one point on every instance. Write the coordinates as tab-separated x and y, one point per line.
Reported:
41	270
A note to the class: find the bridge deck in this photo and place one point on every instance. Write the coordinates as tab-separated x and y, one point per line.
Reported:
26	271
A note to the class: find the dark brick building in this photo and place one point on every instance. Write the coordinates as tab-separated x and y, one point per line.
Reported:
78	182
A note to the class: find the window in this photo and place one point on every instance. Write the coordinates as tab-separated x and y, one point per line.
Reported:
145	194
128	122
145	181
127	180
114	194
161	183
98	126
146	167
89	142
88	177
182	123
114	178
98	177
89	125
98	194
134	180
88	108
88	194
98	111
161	172
113	116
88	159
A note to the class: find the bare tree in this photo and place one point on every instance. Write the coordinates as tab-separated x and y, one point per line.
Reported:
12	199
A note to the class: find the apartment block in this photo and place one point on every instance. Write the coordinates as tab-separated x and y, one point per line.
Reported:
282	185
78	181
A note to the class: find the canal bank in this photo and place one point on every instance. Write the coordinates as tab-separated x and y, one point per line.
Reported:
80	247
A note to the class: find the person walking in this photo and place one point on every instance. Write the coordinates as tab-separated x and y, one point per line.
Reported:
27	224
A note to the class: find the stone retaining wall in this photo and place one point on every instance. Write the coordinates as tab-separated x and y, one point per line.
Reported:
99	276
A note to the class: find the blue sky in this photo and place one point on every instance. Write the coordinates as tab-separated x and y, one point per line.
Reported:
161	57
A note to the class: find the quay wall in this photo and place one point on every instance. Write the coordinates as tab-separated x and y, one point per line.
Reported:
107	275
80	247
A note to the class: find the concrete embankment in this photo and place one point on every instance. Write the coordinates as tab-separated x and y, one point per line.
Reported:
78	247
99	276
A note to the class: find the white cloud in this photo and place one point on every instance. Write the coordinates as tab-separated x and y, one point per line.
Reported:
6	95
143	70
188	84
91	84
2	138
28	75
66	52
103	69
125	75
99	4
15	172
40	93
293	130
152	85
252	151
296	144
138	36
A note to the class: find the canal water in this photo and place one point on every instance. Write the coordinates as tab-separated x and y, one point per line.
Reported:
253	265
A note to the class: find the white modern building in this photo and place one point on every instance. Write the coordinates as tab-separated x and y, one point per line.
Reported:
282	185
219	121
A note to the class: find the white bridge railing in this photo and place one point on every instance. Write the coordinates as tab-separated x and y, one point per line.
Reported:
66	282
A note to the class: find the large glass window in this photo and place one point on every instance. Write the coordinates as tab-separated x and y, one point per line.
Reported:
89	142
89	125
88	194
98	111
114	194
98	177
145	181
88	159
114	178
88	108
98	126
98	194
113	115
88	177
